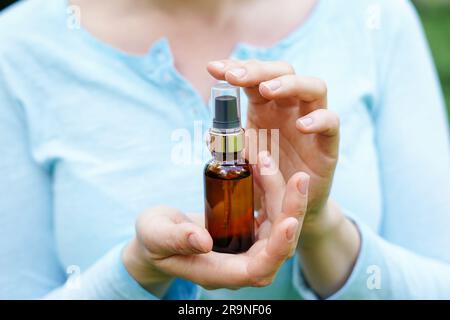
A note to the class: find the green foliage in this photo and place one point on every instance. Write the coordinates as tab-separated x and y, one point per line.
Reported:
435	17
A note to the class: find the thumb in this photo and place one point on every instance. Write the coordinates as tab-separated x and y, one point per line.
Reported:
166	231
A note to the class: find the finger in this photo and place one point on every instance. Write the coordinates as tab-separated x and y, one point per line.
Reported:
282	245
198	219
296	196
218	68
249	74
262	214
212	270
263	231
271	181
320	121
262	223
258	194
295	202
264	265
307	89
166	232
282	238
252	72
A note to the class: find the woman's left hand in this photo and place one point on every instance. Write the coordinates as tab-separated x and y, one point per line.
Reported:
296	105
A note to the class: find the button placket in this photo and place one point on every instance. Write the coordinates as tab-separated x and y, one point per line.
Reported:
166	77
161	56
163	71
188	96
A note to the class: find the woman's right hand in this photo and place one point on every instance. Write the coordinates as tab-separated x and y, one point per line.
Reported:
168	244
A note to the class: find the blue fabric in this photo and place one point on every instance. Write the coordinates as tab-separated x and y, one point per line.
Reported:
88	138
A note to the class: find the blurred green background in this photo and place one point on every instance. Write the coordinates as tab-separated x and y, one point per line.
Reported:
435	15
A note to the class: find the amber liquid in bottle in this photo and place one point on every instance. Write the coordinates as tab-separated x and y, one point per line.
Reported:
229	202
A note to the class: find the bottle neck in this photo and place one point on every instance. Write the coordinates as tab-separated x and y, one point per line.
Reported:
226	147
228	157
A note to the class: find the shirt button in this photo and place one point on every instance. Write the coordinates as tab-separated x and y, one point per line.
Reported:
166	77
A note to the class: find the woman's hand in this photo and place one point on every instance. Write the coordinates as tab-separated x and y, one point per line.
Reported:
296	105
168	244
309	142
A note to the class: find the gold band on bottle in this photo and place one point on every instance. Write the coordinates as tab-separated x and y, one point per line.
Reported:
226	142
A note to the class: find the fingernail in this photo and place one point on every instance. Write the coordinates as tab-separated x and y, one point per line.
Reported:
272	85
305	122
291	232
193	241
218	64
302	186
267	160
238	72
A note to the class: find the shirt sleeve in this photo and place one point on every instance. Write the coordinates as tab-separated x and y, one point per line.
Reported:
409	257
109	279
29	265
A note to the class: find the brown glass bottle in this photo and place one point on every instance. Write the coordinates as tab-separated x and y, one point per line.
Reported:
229	212
228	177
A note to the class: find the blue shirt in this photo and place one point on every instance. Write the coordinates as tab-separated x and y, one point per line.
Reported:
89	137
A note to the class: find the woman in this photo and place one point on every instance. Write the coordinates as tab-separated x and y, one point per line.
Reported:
87	111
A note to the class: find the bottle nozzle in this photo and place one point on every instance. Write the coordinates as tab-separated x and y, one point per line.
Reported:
226	108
